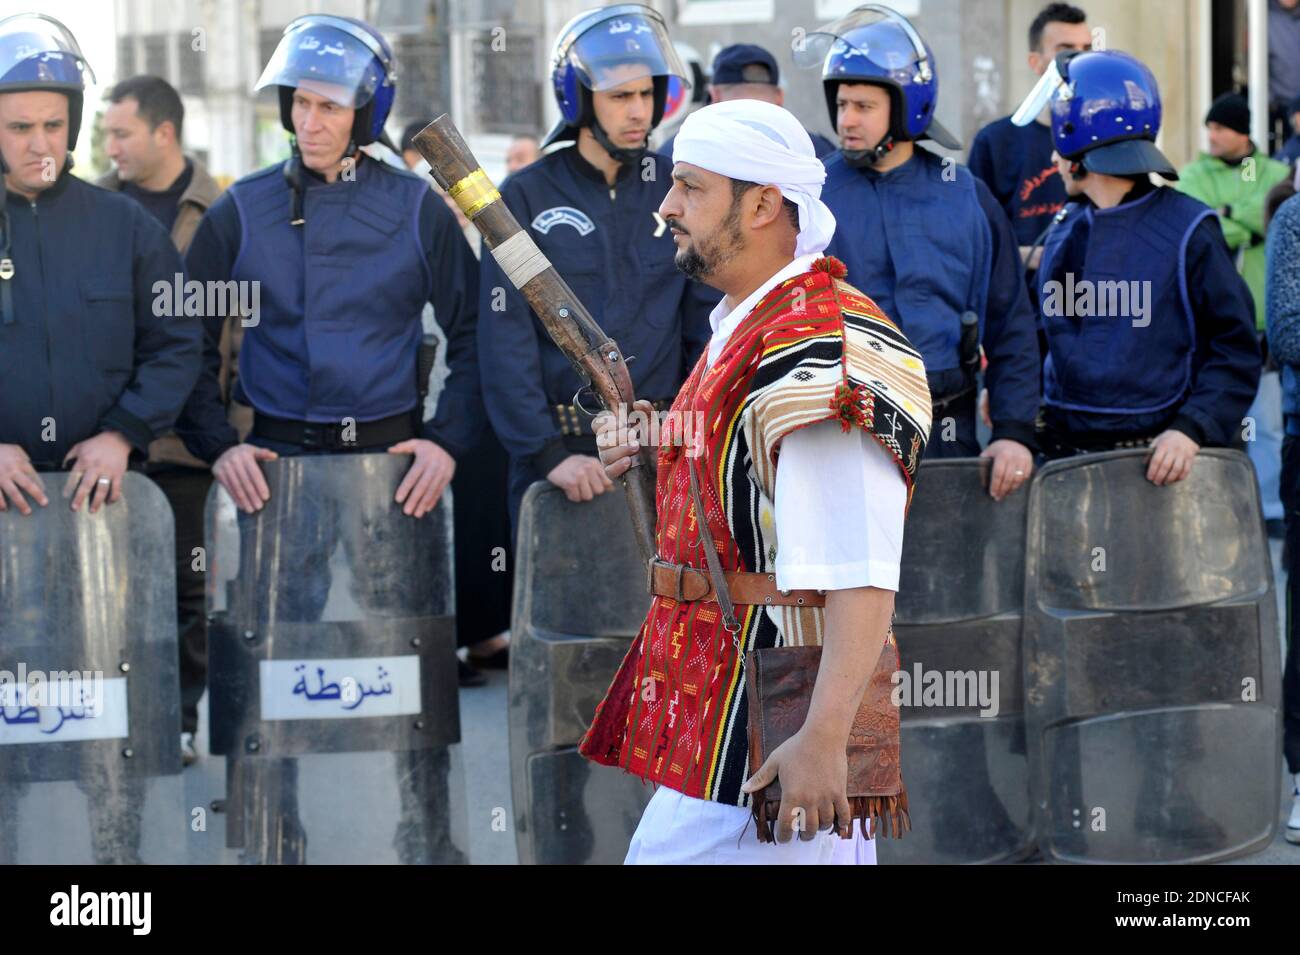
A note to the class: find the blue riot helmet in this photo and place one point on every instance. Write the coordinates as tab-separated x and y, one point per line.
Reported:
1105	111
37	52
603	49
684	94
342	59
873	44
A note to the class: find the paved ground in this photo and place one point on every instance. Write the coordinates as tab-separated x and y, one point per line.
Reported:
487	771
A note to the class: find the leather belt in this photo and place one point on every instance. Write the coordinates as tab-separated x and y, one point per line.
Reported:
684	584
317	435
575	422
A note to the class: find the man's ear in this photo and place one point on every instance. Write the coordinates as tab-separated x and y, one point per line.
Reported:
768	205
1035	61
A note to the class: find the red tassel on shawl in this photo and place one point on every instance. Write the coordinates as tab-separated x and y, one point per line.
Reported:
854	406
831	265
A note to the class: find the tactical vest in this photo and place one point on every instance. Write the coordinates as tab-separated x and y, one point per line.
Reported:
341	295
1114	305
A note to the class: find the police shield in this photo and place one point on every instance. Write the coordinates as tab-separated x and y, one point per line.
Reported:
332	668
89	691
958	625
1152	686
579	599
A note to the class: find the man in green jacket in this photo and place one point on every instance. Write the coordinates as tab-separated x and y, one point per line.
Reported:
1234	179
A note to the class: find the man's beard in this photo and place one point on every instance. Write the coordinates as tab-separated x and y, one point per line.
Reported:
701	259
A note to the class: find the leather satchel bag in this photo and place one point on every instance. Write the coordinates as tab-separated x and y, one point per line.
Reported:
780	684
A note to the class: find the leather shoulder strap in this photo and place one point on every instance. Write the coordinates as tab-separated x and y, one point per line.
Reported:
720	590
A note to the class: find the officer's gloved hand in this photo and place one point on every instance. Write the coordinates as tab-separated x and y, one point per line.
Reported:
16	476
98	466
238	473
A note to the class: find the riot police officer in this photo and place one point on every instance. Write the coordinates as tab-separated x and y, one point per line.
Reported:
344	270
346	251
1149	327
926	239
592	209
90	373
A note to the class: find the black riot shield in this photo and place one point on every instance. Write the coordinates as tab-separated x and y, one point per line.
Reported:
958	624
332	668
1152	686
90	696
579	599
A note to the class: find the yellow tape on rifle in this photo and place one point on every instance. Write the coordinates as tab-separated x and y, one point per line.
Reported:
474	193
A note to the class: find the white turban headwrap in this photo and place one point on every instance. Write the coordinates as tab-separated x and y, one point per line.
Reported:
761	142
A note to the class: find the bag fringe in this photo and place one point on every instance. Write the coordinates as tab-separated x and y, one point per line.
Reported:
888	814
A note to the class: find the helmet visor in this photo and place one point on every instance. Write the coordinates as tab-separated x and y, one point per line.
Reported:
40	50
852	36
1049	84
624	48
324	57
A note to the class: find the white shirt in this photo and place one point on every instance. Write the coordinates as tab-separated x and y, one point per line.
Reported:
839	497
677	829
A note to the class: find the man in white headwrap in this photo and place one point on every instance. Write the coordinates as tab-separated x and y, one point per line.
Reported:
802	366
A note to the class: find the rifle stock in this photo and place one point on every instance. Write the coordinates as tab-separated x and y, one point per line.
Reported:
593	354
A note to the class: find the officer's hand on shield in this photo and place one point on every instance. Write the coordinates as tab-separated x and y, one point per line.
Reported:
98	466
238	473
1012	465
617	444
16	476
428	476
581	477
1172	454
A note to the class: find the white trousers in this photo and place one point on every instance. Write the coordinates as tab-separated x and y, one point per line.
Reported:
677	829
